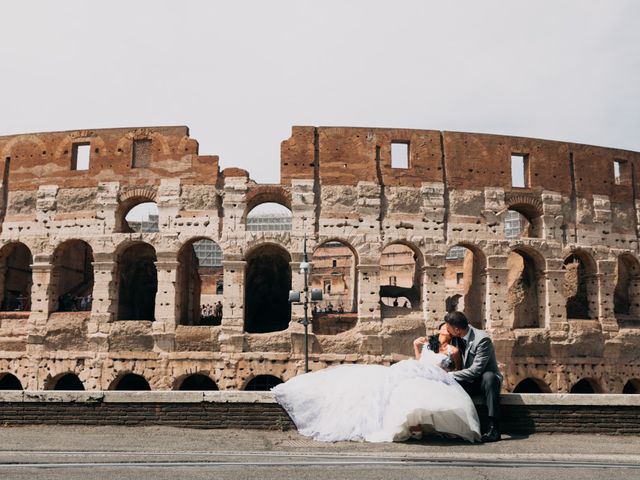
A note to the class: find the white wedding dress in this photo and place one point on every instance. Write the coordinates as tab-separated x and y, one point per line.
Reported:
374	403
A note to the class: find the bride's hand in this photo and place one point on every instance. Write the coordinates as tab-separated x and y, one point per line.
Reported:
420	341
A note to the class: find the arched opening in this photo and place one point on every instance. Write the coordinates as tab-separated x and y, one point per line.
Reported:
68	381
465	283
131	382
586	385
138	215
334	272
9	381
200	283
263	383
138	283
532	385
626	296
400	279
198	382
16	278
71	286
632	386
526	290
523	221
267	285
580	286
269	217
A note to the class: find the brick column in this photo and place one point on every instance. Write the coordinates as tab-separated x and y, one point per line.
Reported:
164	326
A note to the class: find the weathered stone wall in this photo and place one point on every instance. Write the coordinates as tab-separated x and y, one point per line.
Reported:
339	185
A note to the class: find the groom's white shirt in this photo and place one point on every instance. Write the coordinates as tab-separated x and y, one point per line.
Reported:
466	342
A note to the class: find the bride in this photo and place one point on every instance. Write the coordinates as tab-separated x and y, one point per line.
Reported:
375	403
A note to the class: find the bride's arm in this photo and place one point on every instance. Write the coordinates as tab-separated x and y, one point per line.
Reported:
457	358
417	346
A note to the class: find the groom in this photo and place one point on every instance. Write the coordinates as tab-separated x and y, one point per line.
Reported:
479	373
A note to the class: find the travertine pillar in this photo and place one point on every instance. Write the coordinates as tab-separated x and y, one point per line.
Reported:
434	293
105	299
232	337
556	316
40	304
496	317
606	284
164	326
369	315
297	283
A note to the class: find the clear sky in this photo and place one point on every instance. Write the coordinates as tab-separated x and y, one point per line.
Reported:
240	74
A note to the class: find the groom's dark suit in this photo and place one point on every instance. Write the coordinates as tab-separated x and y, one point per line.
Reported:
480	372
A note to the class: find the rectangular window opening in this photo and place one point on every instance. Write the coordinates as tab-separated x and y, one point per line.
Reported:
141	153
399	154
334	263
393	280
459	277
519	170
80	156
621	172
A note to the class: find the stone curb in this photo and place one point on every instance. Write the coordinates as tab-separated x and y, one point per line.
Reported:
238	396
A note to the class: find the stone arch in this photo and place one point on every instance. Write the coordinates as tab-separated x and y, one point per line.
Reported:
137	278
65	145
532	385
125	144
267	285
266	194
586	385
334	272
531	209
581	285
262	383
199	282
401	264
9	381
632	386
196	382
16	276
526	294
8	150
129	199
130	382
465	275
626	297
72	277
65	381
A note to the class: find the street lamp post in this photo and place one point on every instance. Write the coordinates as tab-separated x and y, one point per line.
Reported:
316	296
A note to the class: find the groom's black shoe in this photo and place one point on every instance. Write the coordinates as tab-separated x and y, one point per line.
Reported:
492	435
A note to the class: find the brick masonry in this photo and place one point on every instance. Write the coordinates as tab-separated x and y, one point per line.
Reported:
521	414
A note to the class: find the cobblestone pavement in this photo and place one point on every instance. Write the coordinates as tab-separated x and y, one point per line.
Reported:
57	452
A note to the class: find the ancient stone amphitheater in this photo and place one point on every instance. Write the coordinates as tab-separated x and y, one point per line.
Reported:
417	221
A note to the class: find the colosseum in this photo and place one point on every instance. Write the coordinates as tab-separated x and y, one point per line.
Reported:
535	240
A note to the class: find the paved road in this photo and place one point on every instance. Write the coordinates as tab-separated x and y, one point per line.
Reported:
166	453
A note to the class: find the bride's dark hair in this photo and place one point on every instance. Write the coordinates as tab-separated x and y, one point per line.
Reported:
433	343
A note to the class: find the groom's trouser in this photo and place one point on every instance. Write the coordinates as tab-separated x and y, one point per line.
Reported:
487	385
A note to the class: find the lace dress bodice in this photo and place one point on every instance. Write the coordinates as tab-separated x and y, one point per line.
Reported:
444	361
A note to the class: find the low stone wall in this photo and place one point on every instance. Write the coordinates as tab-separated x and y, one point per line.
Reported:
521	413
